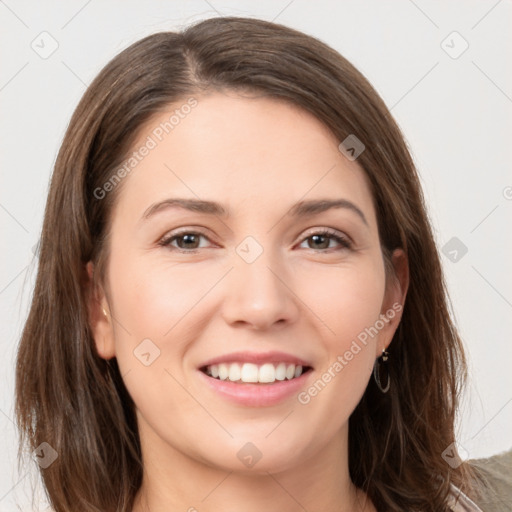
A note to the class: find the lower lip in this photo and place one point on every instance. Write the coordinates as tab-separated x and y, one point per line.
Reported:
257	395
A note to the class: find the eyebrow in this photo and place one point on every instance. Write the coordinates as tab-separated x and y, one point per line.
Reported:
300	209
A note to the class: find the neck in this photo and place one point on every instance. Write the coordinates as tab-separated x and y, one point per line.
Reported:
174	480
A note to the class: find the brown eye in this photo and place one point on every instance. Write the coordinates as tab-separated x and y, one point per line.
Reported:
322	240
187	241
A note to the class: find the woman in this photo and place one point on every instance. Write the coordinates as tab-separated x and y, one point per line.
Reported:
299	354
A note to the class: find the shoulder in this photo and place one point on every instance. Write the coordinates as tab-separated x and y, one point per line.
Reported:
495	488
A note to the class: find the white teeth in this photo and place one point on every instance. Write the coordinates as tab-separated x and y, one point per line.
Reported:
281	371
250	372
223	371
267	373
234	372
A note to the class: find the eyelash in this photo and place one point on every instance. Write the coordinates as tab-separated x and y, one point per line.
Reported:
345	243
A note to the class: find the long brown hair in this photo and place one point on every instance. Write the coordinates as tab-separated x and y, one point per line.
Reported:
72	399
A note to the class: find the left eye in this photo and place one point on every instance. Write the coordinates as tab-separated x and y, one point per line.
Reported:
187	241
323	237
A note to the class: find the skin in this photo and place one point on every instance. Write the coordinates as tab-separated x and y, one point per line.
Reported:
256	156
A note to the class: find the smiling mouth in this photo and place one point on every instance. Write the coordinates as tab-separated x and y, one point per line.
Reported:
250	373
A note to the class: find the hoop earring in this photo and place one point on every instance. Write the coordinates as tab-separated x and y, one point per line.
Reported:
382	360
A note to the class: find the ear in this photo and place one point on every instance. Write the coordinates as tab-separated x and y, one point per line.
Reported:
100	319
394	299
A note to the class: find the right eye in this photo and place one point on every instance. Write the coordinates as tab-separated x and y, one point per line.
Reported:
186	240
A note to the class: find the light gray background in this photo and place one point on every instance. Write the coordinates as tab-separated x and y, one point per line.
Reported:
456	114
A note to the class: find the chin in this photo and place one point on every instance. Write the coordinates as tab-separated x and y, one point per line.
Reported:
258	455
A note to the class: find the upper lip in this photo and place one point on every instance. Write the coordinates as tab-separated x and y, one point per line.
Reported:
256	358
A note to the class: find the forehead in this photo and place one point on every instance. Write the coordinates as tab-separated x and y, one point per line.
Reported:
253	154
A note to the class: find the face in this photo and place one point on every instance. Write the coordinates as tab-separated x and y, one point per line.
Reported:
258	287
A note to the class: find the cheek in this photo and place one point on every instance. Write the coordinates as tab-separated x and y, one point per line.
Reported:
151	314
159	309
346	299
155	301
350	306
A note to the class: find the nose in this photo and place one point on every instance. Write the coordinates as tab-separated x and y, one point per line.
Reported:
259	295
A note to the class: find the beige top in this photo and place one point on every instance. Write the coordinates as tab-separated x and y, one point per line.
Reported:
496	495
459	502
